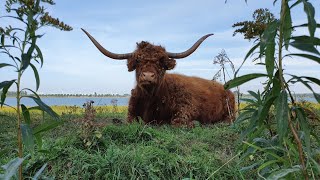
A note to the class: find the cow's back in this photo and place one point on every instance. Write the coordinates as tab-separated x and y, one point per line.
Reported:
210	101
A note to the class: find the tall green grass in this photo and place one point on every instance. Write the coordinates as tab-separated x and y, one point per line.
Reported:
132	151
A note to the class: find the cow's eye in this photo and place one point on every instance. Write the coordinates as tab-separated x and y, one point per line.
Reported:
138	60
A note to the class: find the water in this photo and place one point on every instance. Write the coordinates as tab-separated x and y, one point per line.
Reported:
70	101
98	101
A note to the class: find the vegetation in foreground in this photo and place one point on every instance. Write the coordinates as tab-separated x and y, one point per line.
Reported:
121	151
96	143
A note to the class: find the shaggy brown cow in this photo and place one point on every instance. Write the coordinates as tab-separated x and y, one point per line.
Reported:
176	99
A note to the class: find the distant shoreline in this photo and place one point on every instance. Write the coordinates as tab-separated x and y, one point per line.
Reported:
51	96
128	96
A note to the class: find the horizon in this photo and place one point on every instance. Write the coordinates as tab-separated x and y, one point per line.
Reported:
72	65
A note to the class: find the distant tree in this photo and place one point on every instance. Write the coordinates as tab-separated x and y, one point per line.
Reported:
254	29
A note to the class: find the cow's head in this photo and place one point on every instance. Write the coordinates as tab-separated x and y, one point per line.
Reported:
149	61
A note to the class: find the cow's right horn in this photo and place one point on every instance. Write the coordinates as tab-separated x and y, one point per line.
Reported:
190	50
106	52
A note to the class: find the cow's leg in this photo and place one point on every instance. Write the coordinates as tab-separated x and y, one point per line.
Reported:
183	117
133	108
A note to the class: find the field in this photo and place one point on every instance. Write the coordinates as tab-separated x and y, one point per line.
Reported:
98	144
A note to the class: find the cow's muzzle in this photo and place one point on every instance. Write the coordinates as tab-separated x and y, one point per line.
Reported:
147	78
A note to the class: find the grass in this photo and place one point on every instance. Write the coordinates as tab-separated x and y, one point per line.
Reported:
128	151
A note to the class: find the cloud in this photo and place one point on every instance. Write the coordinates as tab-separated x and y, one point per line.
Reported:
74	65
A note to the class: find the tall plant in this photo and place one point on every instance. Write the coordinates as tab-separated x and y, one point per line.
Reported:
20	45
223	61
287	151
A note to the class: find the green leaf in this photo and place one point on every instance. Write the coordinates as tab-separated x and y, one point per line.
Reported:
27	137
46	126
26	114
316	165
33	92
12	167
5	85
268	35
274	2
2	40
265	150
251	50
39	54
255	95
243	116
304	25
242	79
266	164
36	75
252	166
296	3
35	108
248	54
306	40
270	49
25	61
266	107
299	79
276	85
283	172
312	79
26	57
316	96
39	172
5	64
282	114
304	47
44	107
287	26
305	128
306	43
312	24
37	4
38	137
307	56
292	146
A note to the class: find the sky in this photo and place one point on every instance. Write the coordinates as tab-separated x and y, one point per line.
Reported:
72	64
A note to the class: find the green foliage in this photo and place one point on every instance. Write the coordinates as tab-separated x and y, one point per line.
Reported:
20	44
11	168
124	151
278	134
143	152
254	29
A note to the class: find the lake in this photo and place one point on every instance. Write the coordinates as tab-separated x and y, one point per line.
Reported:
70	101
98	101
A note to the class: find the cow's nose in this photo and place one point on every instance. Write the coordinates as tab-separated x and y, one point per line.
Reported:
148	76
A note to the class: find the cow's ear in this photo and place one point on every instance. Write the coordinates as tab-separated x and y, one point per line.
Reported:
132	64
168	63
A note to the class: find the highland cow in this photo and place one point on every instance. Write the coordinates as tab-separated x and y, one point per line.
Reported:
163	98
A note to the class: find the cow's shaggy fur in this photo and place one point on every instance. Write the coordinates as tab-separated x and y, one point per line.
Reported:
173	98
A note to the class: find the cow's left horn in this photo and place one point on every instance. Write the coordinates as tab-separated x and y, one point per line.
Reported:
189	51
106	52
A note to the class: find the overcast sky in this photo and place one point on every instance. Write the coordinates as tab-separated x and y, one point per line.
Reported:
73	65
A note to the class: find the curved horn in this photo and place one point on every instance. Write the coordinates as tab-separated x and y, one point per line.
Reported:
106	52
189	51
